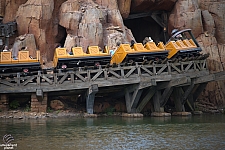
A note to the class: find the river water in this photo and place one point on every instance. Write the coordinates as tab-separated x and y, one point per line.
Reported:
116	133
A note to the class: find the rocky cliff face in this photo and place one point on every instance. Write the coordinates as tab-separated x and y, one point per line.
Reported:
103	22
206	18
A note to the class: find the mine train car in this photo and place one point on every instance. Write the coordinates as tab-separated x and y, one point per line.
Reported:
182	49
25	64
176	49
183	45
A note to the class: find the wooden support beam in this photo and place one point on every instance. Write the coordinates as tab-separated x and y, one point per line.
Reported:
190	102
174	82
134	92
189	99
187	92
146	99
168	86
39	94
93	89
198	90
165	96
204	79
132	97
141	15
177	95
135	99
145	84
156	101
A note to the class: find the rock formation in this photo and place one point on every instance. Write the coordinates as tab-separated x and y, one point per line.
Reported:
103	22
207	21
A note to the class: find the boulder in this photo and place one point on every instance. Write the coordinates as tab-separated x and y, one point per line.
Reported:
101	107
186	14
124	7
39	18
217	9
90	23
208	22
28	41
120	107
57	105
10	9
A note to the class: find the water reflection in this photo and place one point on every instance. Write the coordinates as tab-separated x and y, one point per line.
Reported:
196	132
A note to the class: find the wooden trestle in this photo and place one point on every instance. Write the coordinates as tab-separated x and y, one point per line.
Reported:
139	83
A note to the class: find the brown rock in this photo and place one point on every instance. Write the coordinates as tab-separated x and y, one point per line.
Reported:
101	107
186	14
124	7
2	8
217	9
28	41
120	107
56	105
39	18
89	23
11	8
208	22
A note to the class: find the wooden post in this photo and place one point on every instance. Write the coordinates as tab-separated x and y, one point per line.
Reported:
199	90
177	99
169	86
93	89
165	96
156	102
132	98
39	94
133	95
186	93
146	99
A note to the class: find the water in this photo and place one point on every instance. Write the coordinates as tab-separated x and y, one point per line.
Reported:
116	133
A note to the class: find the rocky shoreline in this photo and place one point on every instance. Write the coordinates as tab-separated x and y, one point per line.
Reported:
17	114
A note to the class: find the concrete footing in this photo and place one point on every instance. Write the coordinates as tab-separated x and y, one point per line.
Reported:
86	115
132	115
181	114
197	112
160	114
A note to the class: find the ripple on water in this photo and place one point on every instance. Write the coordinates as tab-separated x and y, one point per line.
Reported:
117	133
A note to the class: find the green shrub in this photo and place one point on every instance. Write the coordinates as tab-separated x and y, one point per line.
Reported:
27	108
49	110
109	111
14	104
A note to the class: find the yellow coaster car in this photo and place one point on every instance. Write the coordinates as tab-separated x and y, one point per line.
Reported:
183	44
139	53
24	63
78	58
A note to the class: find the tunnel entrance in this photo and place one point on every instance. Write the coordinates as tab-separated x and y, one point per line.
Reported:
148	25
62	36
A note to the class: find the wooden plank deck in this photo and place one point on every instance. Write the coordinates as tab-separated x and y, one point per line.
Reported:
105	77
138	83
